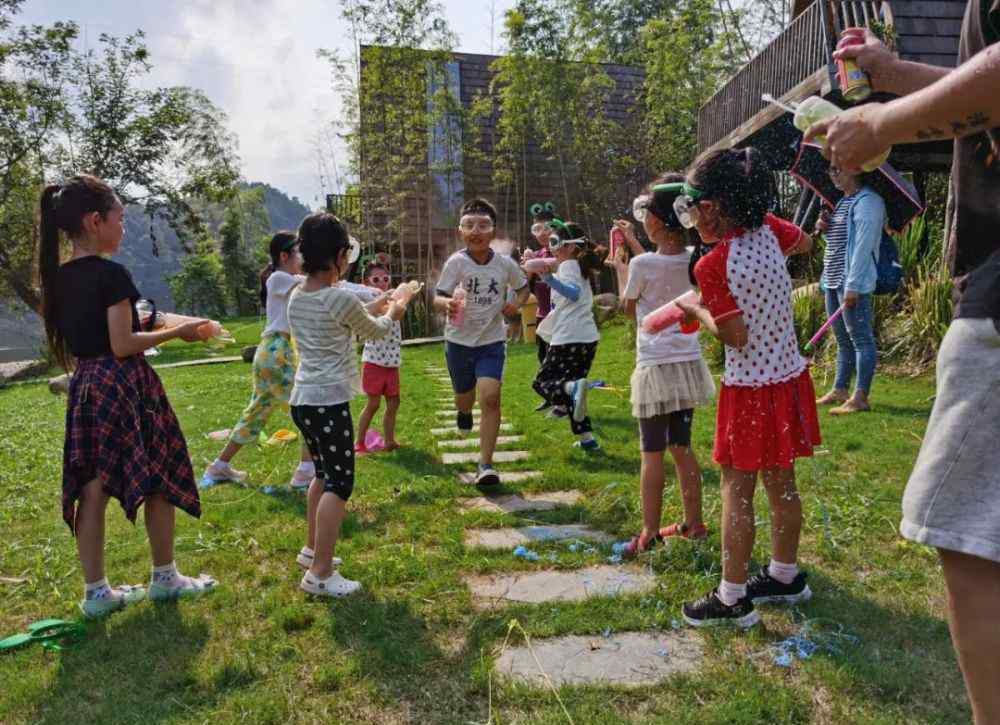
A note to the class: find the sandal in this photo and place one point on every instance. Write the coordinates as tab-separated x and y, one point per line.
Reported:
46	631
698	531
194	587
636	546
126	595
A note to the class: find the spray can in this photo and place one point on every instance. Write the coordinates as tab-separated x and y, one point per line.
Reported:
855	85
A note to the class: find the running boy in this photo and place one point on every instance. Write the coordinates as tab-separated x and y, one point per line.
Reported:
475	350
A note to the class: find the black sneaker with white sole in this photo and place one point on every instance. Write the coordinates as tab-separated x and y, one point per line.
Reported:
543	406
487	476
710	611
463	421
764	589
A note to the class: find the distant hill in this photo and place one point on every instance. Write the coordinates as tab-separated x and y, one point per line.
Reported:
21	330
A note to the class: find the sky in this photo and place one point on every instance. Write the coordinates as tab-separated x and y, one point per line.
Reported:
256	60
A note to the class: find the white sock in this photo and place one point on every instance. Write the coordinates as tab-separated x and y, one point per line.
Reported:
730	594
306	551
166	575
97	590
307	467
784	573
586	437
219	463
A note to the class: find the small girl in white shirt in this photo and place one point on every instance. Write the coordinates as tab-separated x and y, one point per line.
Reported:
570	330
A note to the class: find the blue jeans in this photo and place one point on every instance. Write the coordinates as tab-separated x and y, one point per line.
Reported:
855	341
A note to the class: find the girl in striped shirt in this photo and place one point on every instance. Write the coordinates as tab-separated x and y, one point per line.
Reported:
324	319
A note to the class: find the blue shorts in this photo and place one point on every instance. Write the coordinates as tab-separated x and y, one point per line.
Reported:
467	364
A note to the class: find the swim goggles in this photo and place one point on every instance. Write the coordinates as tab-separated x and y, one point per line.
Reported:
686	206
640	207
353	250
559	229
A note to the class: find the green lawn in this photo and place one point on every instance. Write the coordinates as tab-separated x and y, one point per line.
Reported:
412	648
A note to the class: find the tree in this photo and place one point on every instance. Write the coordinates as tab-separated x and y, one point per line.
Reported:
200	287
62	111
243	237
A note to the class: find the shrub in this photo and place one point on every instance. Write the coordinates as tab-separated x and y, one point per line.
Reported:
917	331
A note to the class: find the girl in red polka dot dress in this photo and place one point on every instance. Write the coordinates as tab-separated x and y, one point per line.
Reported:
767	411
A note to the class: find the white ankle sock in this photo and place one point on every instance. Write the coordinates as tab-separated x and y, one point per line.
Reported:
307	467
97	590
586	437
219	463
730	593
784	573
166	575
306	551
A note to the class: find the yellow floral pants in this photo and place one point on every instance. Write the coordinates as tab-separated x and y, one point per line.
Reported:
273	375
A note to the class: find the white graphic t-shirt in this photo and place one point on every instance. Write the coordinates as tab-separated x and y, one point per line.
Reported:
486	287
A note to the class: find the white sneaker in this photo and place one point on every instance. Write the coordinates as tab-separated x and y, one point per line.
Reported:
300	481
305	559
333	586
220	472
580	389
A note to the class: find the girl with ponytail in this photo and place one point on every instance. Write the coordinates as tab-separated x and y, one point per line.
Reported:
767	407
122	437
273	365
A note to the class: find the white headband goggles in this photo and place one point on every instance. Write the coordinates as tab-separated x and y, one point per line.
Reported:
555	242
686	207
353	250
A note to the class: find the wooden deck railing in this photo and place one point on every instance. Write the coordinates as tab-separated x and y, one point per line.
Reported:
796	60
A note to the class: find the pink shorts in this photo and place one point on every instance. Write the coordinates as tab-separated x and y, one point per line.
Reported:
378	380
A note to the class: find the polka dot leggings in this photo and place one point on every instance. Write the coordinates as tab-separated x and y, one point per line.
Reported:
563	364
329	434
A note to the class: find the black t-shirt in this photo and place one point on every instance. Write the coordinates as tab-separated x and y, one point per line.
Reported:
974	247
85	288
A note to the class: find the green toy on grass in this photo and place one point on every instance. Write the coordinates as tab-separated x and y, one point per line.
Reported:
54	635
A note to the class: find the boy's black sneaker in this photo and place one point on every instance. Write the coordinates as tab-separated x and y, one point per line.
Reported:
463	421
710	611
763	589
543	406
487	476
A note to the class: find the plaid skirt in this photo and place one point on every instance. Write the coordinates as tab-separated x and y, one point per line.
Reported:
121	429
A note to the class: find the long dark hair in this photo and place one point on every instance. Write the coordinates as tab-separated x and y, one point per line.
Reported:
61	209
661	203
322	237
282	241
587	255
739	180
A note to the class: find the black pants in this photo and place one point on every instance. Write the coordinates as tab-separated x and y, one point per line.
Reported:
329	433
563	364
543	348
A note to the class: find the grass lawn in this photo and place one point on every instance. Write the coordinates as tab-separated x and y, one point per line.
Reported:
411	647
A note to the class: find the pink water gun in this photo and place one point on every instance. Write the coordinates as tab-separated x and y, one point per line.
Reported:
822	330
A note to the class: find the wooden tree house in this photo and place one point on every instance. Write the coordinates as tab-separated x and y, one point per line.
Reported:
798	63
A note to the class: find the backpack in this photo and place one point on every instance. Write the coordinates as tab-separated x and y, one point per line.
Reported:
888	270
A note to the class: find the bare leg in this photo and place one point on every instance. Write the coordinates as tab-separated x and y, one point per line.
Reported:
90	530
489	424
786	513
651	488
329	516
371	408
304	456
973	603
231	449
312	506
465	401
159	516
738	528
389	420
689	477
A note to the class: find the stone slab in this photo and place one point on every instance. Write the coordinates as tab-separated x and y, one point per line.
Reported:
474	442
452	430
537	587
453	413
510	538
515	503
505	476
625	658
498	457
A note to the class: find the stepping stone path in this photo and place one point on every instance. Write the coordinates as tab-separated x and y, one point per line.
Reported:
516	503
452	430
450	459
474	442
538	587
619	658
626	658
507	476
509	538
